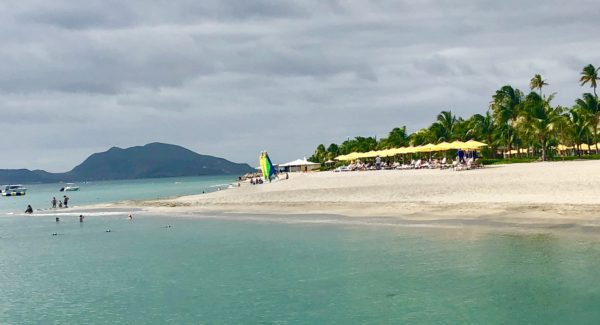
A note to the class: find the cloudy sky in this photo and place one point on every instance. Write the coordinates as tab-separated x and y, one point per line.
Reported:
231	78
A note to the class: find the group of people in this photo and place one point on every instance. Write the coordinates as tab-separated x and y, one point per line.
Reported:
55	203
464	160
61	204
259	180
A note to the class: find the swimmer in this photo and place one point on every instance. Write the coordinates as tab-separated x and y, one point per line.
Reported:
57	219
81	217
108	230
130	217
168	226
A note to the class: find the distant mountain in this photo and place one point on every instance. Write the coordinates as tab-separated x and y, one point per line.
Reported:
154	160
12	176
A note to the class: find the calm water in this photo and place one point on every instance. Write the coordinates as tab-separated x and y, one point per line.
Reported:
219	271
40	195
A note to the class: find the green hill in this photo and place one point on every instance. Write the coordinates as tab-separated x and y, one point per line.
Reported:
153	160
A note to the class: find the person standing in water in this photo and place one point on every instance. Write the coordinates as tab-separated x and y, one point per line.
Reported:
81	217
29	209
66	201
54	202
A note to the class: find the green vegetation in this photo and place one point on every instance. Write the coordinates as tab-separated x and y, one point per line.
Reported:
515	121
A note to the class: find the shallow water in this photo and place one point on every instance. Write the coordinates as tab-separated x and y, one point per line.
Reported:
215	271
40	195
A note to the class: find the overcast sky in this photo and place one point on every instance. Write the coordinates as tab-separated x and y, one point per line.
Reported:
231	78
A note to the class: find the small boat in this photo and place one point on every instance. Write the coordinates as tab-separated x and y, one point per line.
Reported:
13	190
69	187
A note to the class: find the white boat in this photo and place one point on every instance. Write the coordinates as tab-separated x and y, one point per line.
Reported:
13	190
69	187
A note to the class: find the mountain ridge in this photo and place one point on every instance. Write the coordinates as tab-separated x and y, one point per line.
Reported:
153	160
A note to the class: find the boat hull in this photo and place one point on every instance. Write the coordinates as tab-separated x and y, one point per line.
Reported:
19	193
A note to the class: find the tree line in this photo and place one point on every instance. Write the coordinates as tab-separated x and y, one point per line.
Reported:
514	120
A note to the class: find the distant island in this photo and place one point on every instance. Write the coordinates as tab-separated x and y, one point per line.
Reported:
154	160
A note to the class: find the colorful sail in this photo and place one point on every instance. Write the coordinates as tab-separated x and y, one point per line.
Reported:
266	166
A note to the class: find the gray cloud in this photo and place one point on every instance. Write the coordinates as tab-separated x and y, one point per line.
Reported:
231	78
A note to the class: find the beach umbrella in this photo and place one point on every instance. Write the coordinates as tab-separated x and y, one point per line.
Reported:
443	146
329	162
457	145
428	148
472	144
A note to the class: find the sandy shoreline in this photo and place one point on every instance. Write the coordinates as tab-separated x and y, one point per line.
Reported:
550	194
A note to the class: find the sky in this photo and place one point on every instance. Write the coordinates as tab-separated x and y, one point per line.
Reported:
232	78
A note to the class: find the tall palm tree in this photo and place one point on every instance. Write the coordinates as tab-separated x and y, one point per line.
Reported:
590	105
505	106
444	128
484	128
579	127
537	83
540	119
590	74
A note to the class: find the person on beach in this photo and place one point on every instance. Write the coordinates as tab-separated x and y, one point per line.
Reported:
29	209
66	198
54	202
378	162
461	156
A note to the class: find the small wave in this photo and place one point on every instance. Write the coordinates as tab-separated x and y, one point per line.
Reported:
76	214
219	185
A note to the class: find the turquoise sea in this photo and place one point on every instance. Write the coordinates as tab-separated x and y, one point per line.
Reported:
220	269
40	195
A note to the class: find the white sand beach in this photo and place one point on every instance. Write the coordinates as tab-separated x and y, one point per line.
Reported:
548	192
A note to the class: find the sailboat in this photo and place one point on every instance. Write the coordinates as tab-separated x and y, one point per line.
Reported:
266	166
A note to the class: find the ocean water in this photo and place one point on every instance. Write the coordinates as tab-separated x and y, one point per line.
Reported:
219	270
40	195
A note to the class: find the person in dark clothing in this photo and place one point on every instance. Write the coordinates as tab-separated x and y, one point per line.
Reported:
66	199
29	209
461	156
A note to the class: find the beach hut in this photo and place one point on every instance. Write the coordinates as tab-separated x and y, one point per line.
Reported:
299	165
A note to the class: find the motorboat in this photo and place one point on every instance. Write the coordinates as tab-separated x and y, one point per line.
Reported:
69	187
13	190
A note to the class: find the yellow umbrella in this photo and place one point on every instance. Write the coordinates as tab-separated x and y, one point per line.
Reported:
401	150
386	153
443	146
457	145
428	148
562	147
472	144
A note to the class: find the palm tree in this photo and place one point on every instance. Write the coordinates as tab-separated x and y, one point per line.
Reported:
444	127
483	128
590	74
537	83
590	105
579	127
540	119
505	106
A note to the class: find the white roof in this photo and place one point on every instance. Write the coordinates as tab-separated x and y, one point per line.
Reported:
298	162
